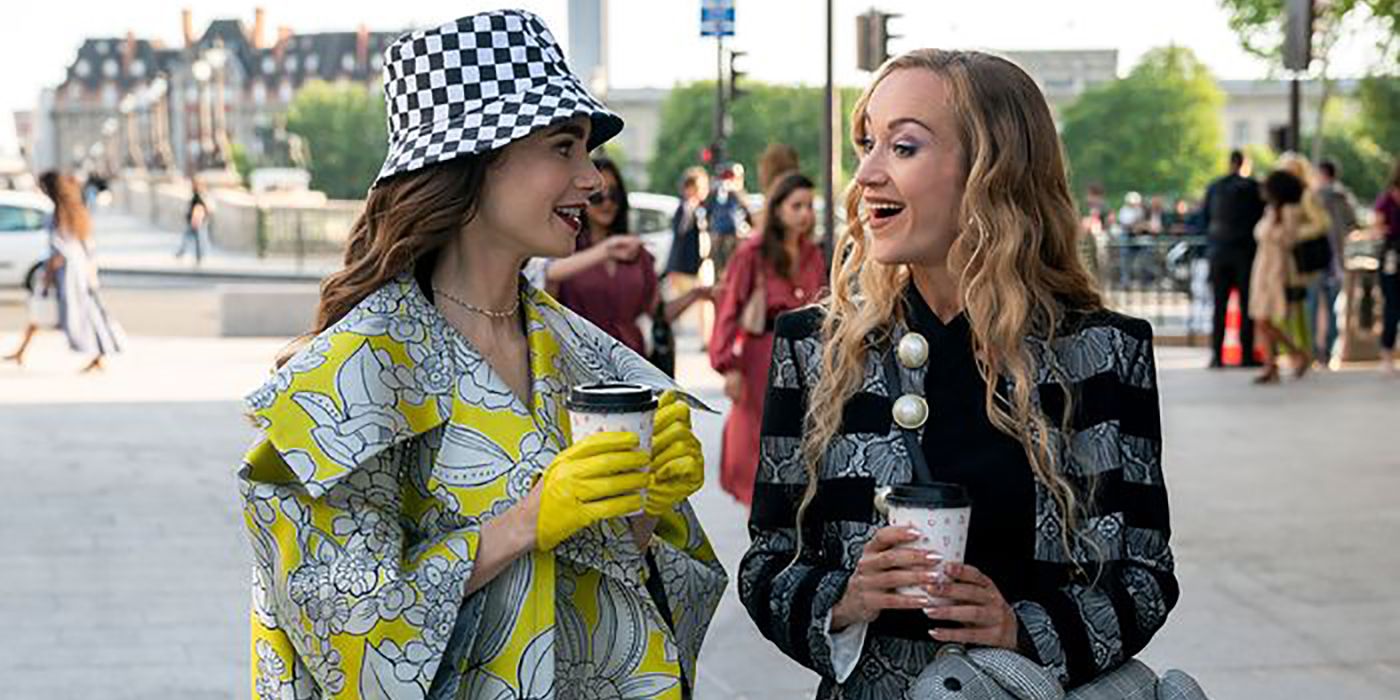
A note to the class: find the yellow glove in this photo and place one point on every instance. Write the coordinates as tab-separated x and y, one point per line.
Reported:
677	462
599	477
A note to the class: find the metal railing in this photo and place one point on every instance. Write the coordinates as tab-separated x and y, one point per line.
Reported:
1162	278
306	231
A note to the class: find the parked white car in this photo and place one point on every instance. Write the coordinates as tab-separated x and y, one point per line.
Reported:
24	242
651	219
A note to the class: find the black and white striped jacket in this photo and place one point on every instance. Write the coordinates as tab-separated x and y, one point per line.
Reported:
1089	612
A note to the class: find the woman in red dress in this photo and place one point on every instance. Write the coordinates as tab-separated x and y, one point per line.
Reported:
611	280
789	266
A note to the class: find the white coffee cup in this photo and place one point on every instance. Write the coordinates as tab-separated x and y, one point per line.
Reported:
615	407
940	512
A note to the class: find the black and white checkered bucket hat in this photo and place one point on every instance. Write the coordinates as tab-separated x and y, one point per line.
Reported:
476	84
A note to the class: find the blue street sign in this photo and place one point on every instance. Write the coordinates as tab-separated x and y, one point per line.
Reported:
716	17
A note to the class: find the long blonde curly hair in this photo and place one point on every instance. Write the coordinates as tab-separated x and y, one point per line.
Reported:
1015	260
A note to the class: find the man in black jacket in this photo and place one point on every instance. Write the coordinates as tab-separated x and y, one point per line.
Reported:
1233	205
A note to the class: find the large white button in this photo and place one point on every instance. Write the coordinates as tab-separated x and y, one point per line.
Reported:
882	506
913	351
910	411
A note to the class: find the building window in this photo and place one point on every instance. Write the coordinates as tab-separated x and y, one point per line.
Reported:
312	63
347	63
284	93
376	62
101	47
109	95
109	68
269	66
138	68
83	68
291	64
259	93
1239	136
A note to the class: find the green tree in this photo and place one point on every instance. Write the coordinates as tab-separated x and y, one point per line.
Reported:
790	114
343	126
242	162
1364	166
1380	103
1260	27
1155	131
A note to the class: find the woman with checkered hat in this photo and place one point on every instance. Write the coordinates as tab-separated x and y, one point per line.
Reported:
422	524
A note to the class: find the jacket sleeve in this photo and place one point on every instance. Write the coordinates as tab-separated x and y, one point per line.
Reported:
725	343
789	598
1099	620
345	599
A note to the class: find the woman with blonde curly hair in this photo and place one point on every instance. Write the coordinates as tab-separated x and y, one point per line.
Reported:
964	343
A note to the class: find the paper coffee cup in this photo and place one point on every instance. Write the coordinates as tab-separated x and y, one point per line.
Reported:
617	407
941	513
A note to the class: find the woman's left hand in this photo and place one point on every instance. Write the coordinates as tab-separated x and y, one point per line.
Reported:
677	461
969	597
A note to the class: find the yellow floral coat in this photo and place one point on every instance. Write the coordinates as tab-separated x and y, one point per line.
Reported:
386	443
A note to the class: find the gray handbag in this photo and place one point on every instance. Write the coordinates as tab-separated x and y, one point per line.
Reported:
957	673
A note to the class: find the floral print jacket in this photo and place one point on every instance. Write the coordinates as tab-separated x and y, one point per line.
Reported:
385	444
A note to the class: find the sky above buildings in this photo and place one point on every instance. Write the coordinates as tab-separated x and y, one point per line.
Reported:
656	43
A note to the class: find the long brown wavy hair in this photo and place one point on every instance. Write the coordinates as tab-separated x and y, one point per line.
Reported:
771	246
405	218
1015	258
70	216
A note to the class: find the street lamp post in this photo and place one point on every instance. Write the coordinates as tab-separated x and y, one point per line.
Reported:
160	127
217	58
201	72
127	107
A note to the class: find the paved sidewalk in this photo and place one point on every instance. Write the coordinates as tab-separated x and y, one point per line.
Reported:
123	569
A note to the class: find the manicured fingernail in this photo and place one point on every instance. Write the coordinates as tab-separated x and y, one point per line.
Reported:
934	557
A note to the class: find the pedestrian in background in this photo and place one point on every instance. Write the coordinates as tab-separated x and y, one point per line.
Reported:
1230	210
71	275
1386	225
612	280
728	215
687	224
1276	234
196	233
777	159
776	271
1313	224
1340	205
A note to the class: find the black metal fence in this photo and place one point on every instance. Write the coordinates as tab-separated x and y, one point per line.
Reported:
306	231
1162	278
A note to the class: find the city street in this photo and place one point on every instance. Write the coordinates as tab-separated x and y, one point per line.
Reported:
123	568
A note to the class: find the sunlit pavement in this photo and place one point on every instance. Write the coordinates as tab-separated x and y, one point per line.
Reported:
123	568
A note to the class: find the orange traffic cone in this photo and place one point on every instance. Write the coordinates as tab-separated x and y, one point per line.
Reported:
1231	353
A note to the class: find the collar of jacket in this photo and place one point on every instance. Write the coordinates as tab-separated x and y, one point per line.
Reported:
392	368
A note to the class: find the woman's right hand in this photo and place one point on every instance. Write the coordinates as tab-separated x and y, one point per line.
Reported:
624	248
734	385
599	477
885	566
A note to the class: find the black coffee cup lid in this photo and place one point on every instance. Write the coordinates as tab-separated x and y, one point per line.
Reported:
611	397
934	495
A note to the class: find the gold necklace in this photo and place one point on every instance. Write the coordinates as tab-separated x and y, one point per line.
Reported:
489	313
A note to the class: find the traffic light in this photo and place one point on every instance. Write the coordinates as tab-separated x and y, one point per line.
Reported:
732	89
873	39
